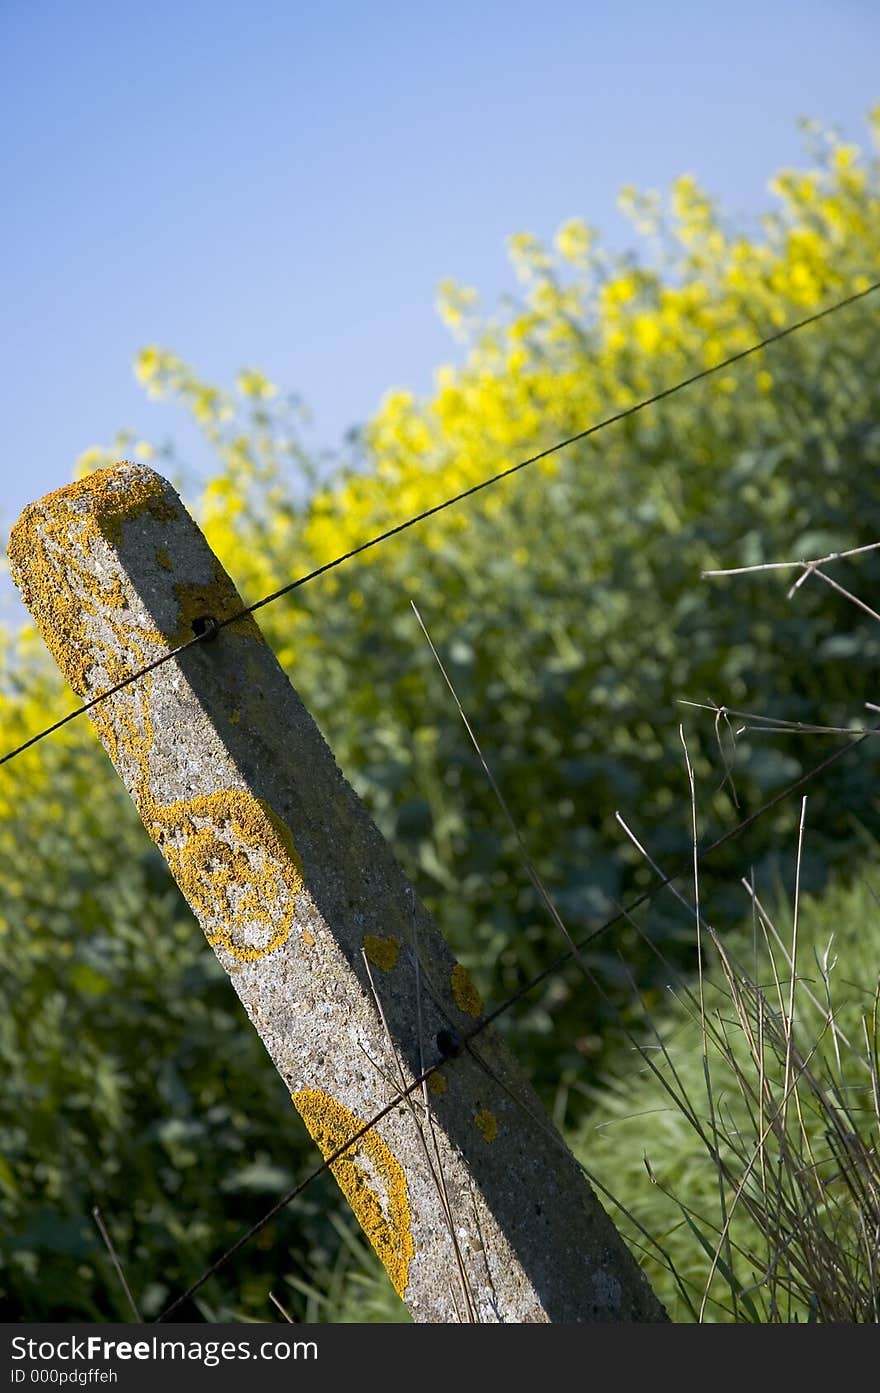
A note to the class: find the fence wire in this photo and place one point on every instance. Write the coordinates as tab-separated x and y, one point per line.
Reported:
455	1047
211	631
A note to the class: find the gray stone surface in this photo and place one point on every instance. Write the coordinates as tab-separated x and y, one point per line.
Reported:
466	1191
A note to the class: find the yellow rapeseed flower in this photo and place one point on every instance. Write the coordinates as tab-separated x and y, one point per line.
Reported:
574	240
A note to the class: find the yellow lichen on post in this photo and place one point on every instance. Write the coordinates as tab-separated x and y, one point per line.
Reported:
49	548
467	997
232	857
370	1177
218	599
383	950
103	499
236	864
487	1124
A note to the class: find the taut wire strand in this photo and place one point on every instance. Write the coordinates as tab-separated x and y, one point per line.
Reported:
622	415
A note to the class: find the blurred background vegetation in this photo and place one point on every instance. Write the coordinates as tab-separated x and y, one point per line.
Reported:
569	607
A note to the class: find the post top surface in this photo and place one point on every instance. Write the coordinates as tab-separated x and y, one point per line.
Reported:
107	495
51	550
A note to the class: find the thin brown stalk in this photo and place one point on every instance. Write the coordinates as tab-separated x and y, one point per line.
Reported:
114	1258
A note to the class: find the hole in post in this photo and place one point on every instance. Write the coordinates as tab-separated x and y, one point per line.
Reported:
448	1043
205	626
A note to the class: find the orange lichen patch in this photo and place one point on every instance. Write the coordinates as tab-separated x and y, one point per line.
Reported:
487	1124
48	553
125	727
236	864
466	995
370	1177
217	598
51	549
437	1083
382	950
233	858
108	497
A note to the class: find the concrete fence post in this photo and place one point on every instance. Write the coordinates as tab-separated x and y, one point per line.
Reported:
466	1191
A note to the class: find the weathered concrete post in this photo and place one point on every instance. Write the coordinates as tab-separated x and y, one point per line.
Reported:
472	1202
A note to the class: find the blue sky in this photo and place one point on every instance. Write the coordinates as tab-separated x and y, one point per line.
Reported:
283	185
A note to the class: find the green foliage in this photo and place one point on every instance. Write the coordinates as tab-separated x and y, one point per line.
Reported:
568	605
796	1126
568	601
133	1079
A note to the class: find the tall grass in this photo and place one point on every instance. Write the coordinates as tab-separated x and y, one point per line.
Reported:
746	1140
